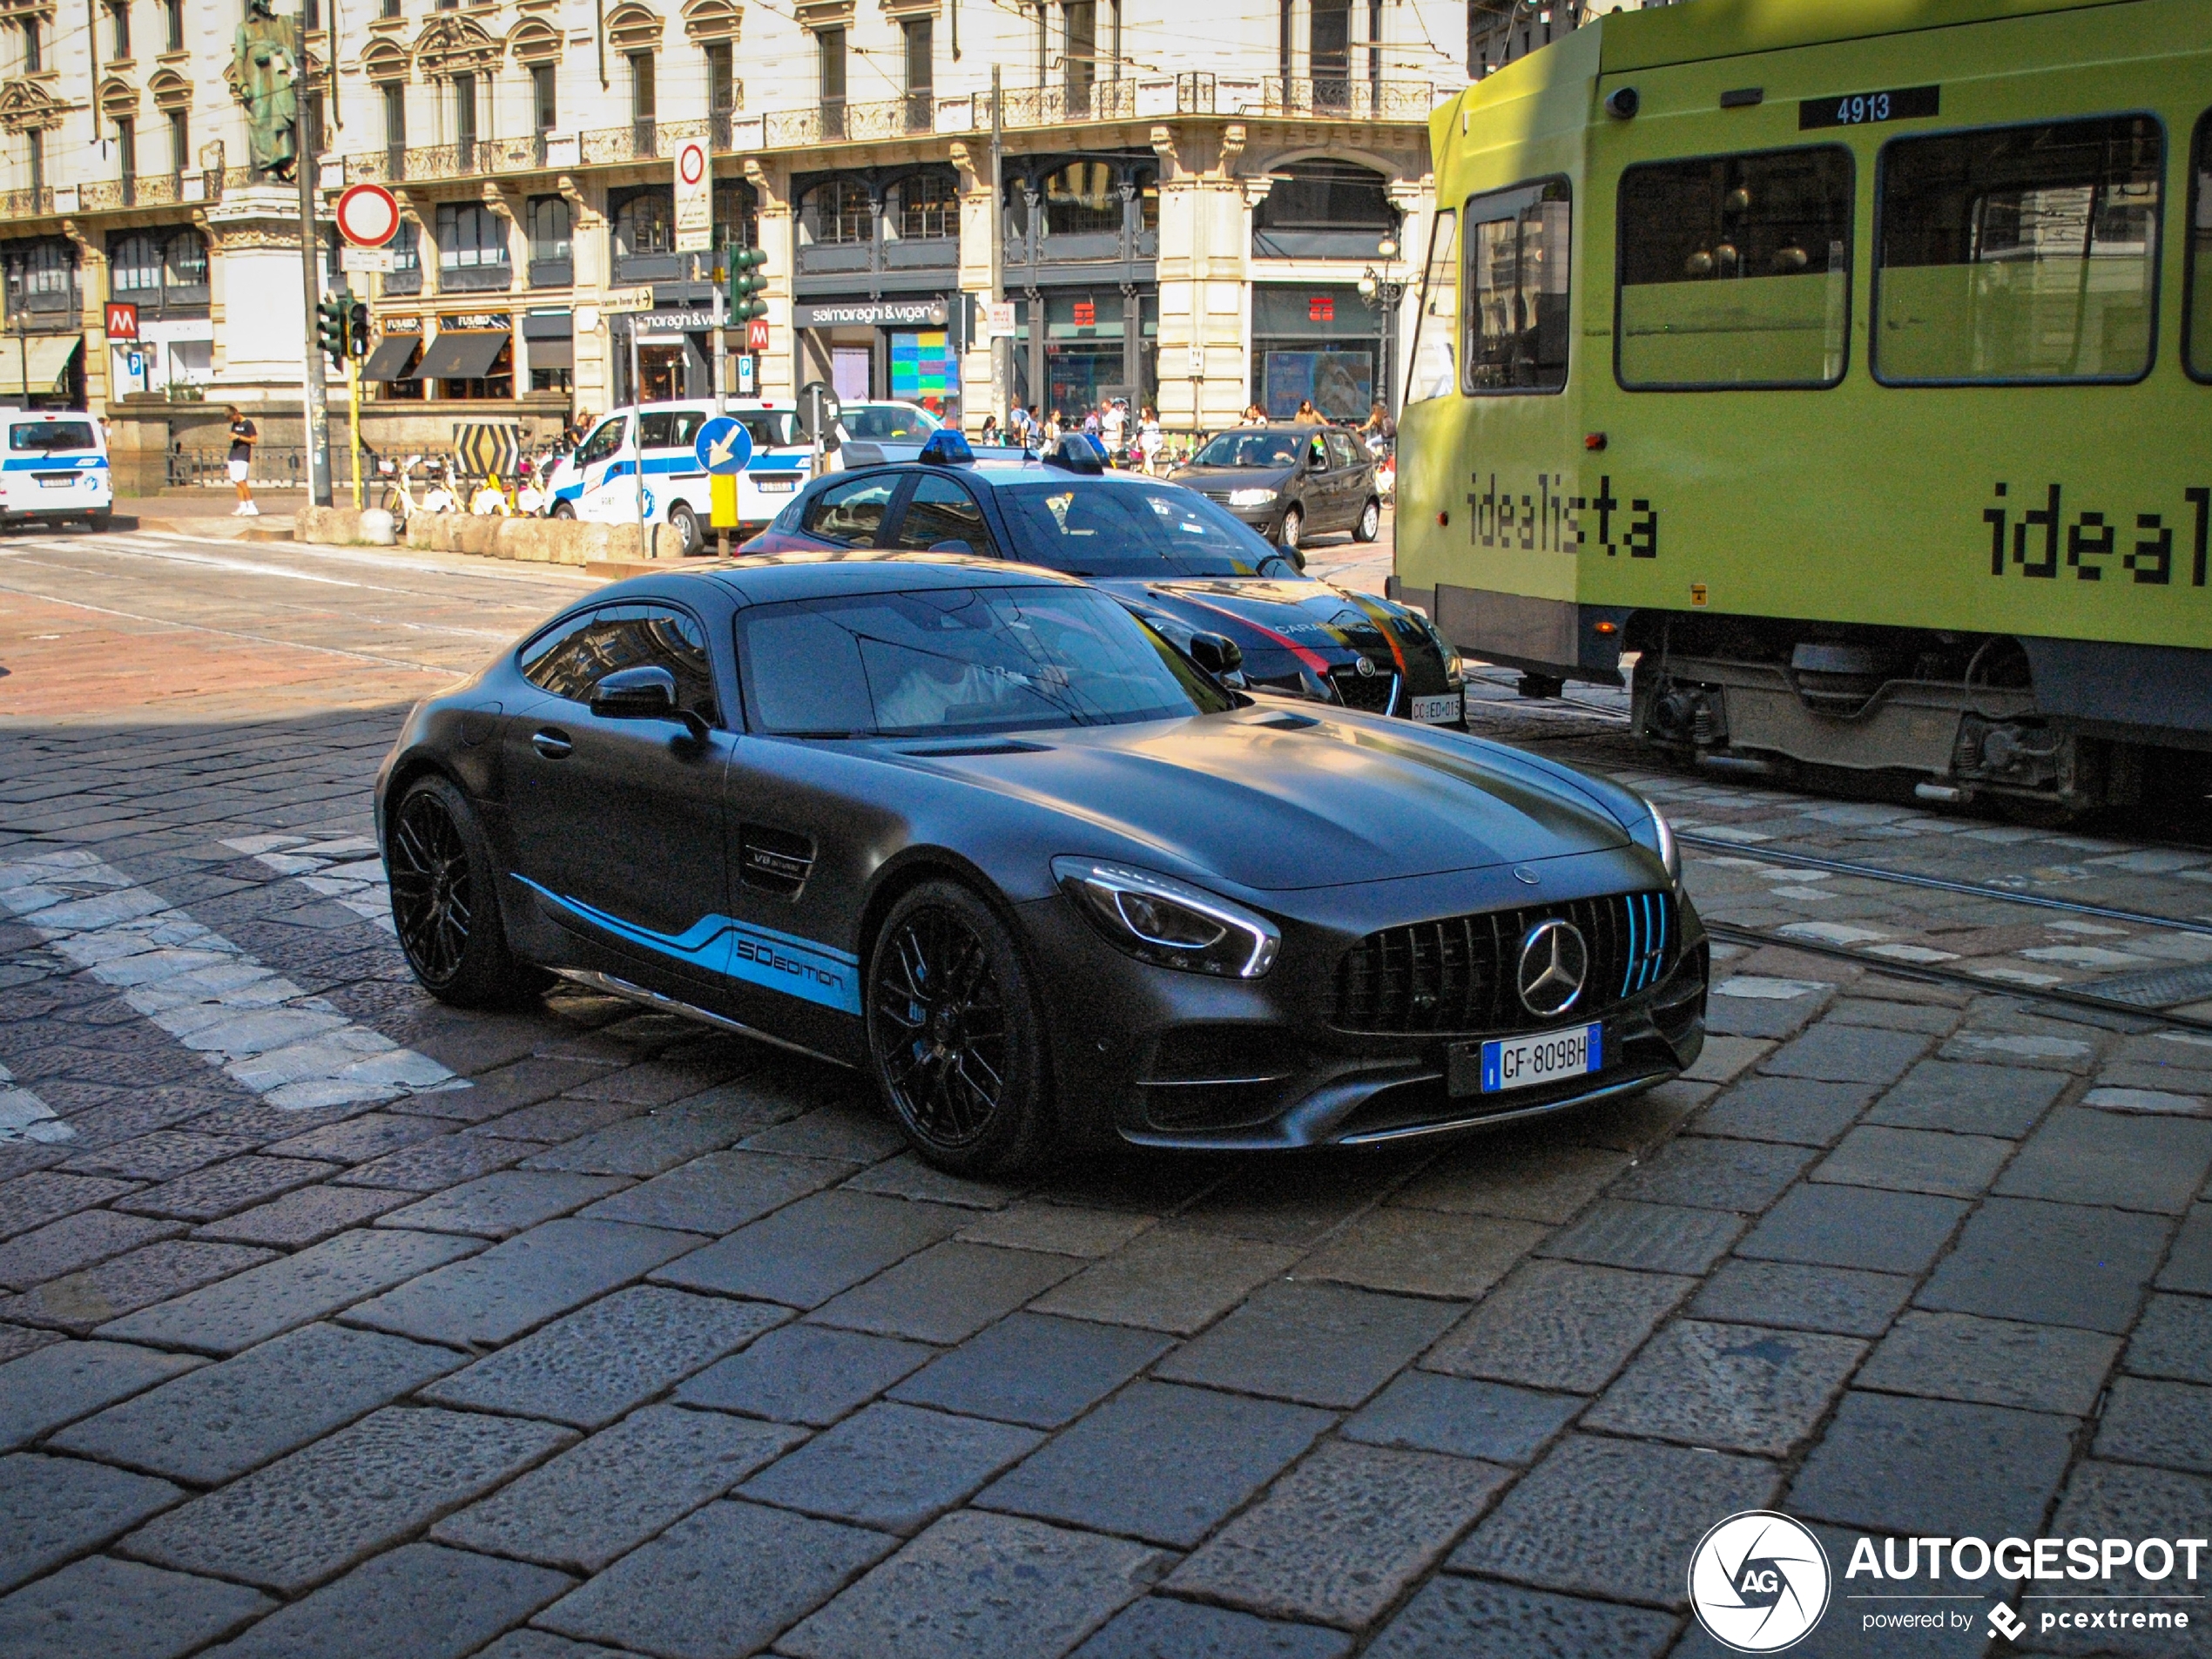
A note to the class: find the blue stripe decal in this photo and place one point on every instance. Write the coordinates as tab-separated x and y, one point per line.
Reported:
569	492
761	956
53	463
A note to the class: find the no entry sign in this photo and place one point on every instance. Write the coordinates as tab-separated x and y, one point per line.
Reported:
368	216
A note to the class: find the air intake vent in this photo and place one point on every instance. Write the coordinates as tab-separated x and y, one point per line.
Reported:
775	861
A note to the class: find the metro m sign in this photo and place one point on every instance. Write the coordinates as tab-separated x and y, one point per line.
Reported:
756	334
122	319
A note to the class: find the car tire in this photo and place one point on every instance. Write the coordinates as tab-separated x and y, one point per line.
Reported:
1293	527
955	1039
685	523
445	902
1370	525
99	522
565	510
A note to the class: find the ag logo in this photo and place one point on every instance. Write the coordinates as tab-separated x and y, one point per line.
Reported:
1758	1581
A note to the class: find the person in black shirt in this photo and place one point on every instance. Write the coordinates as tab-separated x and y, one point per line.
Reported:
243	438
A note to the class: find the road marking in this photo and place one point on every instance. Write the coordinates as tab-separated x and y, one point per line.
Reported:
294	1050
346	869
24	1116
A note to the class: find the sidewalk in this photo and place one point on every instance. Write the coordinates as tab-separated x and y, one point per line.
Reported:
209	513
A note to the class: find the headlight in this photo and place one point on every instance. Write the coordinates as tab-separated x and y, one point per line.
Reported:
1251	497
1657	834
1170	923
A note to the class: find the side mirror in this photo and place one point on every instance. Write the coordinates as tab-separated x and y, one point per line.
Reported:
1216	653
1295	554
636	694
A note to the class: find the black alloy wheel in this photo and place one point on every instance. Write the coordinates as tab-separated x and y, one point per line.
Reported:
442	903
953	1033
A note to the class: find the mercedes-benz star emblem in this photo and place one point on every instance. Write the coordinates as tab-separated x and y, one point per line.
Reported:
1554	961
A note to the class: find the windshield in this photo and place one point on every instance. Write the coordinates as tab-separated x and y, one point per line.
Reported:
885	423
1249	449
47	436
1117	529
959	660
768	429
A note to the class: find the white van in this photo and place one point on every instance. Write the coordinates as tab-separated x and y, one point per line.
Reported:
598	483
55	467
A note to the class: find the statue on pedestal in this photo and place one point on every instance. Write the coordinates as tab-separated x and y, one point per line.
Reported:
266	67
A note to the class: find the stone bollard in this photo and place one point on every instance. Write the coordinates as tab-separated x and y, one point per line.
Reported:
377	528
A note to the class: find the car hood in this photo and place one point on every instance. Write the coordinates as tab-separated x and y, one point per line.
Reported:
1271	797
1236	477
1294	615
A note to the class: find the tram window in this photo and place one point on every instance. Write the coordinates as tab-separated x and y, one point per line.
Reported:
2200	291
1736	271
1517	271
2020	254
1434	323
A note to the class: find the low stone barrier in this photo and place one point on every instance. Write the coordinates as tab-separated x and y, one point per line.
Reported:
539	540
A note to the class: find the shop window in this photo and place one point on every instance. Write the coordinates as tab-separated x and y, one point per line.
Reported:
2019	254
1083	199
1327	196
1317	343
2198	323
646	225
1517	244
927	206
835	213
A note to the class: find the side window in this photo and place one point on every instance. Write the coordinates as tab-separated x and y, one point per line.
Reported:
851	513
571	659
656	430
1736	271
942	510
2199	312
2020	254
606	438
1433	374
1518	245
1343	452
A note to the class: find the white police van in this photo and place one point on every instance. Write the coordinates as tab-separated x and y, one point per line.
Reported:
54	466
599	483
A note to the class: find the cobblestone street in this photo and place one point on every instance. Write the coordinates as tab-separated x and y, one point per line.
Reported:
336	1322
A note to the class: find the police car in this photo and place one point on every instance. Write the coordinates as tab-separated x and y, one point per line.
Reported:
55	467
599	483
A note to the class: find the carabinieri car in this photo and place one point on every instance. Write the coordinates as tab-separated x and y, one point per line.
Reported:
1183	562
978	829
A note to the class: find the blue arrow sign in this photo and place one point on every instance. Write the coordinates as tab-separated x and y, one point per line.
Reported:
723	445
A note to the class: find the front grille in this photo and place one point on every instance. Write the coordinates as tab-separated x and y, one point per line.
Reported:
1457	974
1369	693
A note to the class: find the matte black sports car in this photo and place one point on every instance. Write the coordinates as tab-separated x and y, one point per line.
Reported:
1183	562
976	829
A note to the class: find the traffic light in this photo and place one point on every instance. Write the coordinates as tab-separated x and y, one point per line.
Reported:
357	330
747	285
334	326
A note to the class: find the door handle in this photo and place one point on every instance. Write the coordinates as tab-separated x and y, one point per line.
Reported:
553	745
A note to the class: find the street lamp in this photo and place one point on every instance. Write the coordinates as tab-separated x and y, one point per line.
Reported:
1380	290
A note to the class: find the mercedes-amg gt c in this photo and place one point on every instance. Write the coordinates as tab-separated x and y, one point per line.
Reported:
976	829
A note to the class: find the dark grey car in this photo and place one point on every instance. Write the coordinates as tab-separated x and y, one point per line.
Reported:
1289	482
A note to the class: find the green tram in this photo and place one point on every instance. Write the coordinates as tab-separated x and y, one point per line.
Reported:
1849	363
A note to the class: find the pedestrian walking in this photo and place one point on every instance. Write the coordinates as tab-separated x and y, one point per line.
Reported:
1149	439
1113	426
990	432
1306	411
244	436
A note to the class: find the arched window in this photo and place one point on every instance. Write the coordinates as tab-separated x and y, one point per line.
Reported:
1325	196
134	267
549	228
184	259
469	235
834	212
924	206
1083	199
645	224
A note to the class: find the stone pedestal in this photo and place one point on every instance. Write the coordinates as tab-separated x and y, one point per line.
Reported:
260	314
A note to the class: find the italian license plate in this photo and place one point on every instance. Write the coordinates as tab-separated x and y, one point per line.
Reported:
66	481
776	486
1438	710
1506	1063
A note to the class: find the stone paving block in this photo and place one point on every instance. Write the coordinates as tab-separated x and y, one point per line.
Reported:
808	1251
1614	1517
1934	1018
1528	1179
1653	1238
220	1188
1423	1252
505	1202
1835	1226
1159	1462
599	1500
431	1166
1033	1369
1794	1110
1169	1278
306	1216
312	1514
1912	1160
1343	1535
162	1155
2120	1501
1931	1467
1996	1362
2049	1263
1457	1618
421	1601
1845	1301
2046	1044
662	1139
555	1121
854	1131
1968	1099
2151	1421
2104	1158
722	1581
63	1381
543	1644
702	1065
33	1200
891	1467
1320	1344
805	1373
588	1368
54	1508
77	1302
2173	1339
220	1421
1739	1387
75	1242
1131	1180
1709	1173
492	1298
1294	1201
907	1176
1638	1123
1161	1628
2188	1264
102	1607
17	1340
1058	1229
980	1584
1781	1011
1559	1326
292	1290
1423	1411
503	1089
947	1292
1725	1059
718	1193
1834	1052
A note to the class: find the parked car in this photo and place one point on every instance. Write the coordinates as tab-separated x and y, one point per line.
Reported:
888	422
1289	483
599	483
55	467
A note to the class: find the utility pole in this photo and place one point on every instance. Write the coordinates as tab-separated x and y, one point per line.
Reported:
310	280
1001	345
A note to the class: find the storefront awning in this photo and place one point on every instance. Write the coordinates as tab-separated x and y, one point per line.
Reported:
30	365
552	353
388	360
462	355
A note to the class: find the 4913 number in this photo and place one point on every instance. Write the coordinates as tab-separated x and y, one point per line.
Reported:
1857	109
